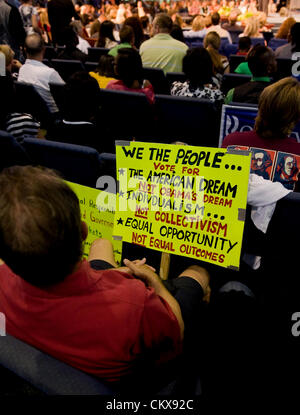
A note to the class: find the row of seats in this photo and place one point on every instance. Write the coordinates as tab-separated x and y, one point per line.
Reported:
94	53
128	115
161	82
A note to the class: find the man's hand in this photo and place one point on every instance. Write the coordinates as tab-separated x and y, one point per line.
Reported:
137	262
143	271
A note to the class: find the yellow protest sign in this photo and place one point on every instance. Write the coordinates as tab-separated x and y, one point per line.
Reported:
184	200
99	219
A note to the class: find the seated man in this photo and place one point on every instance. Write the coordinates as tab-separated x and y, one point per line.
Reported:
89	314
216	27
162	51
126	40
36	73
262	64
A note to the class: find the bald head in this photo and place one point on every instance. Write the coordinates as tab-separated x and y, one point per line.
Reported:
34	45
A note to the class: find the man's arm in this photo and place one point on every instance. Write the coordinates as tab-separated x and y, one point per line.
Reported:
55	78
147	275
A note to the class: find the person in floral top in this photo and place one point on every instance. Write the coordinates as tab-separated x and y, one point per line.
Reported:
200	83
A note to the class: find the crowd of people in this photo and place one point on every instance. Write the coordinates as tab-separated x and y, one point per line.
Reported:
43	273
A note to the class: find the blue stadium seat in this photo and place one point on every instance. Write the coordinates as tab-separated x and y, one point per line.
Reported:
232	80
234	61
109	164
77	164
194	42
11	152
81	133
46	373
66	67
158	80
127	115
194	121
258	41
51	52
90	66
229	49
29	101
95	53
58	93
275	43
284	68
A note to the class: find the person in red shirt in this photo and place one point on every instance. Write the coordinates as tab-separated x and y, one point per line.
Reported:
129	71
278	113
102	320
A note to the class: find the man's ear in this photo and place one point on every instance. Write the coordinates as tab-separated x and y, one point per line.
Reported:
84	230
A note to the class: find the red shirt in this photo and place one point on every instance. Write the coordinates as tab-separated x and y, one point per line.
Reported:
273	159
100	322
120	86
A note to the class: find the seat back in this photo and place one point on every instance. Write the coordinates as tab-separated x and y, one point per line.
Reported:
66	67
229	49
258	41
194	42
158	80
279	263
109	164
235	60
76	163
52	52
232	80
275	43
127	115
46	373
191	120
80	133
95	53
58	93
28	100
11	152
90	66
284	68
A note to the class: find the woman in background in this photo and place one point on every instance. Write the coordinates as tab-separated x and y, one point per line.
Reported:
106	37
212	43
198	28
129	71
198	68
252	28
104	73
